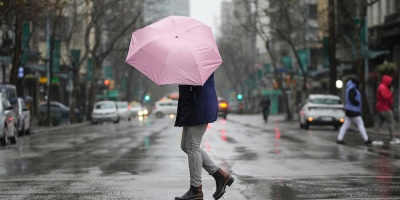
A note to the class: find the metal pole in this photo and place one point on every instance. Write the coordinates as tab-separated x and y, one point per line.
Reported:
48	48
307	38
3	71
366	54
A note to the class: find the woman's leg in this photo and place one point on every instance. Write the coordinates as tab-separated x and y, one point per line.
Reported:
197	158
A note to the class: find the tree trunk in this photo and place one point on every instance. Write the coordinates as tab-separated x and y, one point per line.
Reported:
17	52
75	87
279	80
332	49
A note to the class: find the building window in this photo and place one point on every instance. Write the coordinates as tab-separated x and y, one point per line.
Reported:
313	11
397	5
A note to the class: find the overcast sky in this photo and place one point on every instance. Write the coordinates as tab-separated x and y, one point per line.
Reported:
207	11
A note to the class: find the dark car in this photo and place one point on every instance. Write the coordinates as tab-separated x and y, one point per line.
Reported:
10	92
58	110
223	108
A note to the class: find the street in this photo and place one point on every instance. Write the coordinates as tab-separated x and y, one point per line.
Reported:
142	159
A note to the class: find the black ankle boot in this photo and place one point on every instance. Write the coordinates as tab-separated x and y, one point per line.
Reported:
192	193
221	179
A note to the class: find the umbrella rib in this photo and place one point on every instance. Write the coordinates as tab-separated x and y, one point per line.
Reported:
194	58
202	41
166	57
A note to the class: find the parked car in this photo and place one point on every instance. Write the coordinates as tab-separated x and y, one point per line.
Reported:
10	93
223	108
104	111
8	130
322	109
24	118
165	107
58	110
123	110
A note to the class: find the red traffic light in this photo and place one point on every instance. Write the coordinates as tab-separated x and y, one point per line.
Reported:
106	82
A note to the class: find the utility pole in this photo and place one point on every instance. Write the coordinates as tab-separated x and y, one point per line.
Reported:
332	47
3	71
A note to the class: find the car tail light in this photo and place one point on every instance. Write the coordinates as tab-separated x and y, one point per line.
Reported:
223	105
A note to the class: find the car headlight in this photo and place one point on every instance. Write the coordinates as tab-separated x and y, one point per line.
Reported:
140	113
145	112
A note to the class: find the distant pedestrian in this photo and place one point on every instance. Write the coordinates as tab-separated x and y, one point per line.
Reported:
198	106
265	103
353	107
384	103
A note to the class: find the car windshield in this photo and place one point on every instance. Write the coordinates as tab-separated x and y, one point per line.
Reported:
326	101
122	105
104	106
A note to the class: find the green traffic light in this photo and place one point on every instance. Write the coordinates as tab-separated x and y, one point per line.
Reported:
147	97
239	97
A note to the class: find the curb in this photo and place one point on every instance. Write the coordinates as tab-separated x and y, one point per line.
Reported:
56	128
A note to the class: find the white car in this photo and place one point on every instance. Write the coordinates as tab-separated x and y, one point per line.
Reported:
322	109
105	111
123	110
24	118
8	128
165	107
138	110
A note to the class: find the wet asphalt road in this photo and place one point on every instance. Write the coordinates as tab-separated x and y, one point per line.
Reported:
142	159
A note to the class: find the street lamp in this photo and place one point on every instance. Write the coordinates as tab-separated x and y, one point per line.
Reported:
339	84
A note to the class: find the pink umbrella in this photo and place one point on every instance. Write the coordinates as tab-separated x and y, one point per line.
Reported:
175	50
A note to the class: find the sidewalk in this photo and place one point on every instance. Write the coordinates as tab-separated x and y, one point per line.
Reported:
35	128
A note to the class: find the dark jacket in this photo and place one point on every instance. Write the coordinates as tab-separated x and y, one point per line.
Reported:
197	104
265	102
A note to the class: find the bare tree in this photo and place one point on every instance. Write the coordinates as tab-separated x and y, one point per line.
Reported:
285	27
103	25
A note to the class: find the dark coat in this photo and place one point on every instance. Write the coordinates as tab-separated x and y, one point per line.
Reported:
197	104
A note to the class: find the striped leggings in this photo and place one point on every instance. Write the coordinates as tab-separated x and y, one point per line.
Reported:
197	158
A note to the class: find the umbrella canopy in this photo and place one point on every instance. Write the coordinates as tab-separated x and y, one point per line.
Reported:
175	50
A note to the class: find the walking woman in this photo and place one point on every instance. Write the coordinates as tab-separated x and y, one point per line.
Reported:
198	106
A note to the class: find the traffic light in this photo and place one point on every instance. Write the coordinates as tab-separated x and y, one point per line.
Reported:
288	80
111	87
147	98
106	83
239	96
275	85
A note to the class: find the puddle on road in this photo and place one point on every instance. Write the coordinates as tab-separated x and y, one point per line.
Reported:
245	154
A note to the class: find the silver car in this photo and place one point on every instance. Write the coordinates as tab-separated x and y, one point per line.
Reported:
123	110
8	129
105	111
24	118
